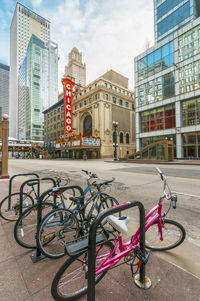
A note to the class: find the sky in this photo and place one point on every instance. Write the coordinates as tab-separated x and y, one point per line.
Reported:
109	33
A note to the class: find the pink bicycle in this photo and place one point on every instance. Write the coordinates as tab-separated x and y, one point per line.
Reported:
70	282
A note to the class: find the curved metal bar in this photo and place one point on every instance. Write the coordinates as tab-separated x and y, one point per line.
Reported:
38	192
92	243
11	180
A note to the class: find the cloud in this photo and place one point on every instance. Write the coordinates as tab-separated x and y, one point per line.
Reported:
109	33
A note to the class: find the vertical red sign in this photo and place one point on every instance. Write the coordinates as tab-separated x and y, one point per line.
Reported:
68	85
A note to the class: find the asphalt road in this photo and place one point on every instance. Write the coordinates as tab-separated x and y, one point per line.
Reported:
139	182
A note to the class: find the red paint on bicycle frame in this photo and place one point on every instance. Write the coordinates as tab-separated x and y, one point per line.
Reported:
121	205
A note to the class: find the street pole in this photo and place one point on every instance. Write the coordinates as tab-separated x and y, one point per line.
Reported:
115	125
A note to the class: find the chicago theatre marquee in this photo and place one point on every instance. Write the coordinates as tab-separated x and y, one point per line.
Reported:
80	124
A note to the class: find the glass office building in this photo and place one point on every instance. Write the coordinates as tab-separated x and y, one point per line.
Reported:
25	22
167	87
37	88
4	90
171	15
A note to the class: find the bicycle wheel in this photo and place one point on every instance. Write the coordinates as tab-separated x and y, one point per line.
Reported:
9	209
173	236
26	226
58	226
70	282
106	202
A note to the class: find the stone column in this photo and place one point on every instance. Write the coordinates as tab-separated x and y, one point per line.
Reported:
4	136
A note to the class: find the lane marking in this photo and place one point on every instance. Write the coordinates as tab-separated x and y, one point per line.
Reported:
148	174
195	196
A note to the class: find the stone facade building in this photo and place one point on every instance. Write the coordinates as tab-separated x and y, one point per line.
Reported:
94	108
75	68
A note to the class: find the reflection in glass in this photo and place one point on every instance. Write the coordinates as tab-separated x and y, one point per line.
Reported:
156	61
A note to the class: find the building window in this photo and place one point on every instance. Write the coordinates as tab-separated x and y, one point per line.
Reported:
80	105
106	96
90	100
54	126
110	86
54	111
127	104
121	102
191	112
156	90
58	110
55	118
58	117
85	102
158	119
127	138
87	126
105	85
114	99
121	138
62	115
95	96
156	61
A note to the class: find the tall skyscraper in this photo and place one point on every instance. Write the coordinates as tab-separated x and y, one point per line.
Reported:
38	87
24	23
171	15
75	68
4	89
167	81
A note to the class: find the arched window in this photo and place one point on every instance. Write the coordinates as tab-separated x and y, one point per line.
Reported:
87	126
127	138
121	138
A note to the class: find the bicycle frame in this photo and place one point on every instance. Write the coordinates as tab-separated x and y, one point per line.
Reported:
74	210
114	257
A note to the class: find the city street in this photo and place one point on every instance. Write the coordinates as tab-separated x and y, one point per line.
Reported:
138	182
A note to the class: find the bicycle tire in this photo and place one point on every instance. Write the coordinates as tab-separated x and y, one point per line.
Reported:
172	231
12	214
53	229
71	265
108	202
26	226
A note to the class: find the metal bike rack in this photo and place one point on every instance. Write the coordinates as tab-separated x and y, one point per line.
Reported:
38	255
11	181
92	243
38	190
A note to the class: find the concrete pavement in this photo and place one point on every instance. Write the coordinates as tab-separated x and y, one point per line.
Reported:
21	280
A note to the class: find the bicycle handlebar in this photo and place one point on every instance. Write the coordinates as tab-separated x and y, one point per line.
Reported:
163	178
91	175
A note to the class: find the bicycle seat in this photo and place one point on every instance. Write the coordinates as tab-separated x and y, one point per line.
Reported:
118	223
32	183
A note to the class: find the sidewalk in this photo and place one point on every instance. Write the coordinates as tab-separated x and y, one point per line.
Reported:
21	280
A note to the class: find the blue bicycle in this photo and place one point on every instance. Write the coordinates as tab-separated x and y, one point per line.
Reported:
61	226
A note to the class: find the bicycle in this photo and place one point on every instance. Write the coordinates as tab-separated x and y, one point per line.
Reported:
25	228
66	225
10	205
70	282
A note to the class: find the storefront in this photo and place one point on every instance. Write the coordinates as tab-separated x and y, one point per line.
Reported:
78	147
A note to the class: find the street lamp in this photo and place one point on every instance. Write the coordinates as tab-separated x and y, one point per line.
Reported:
115	125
